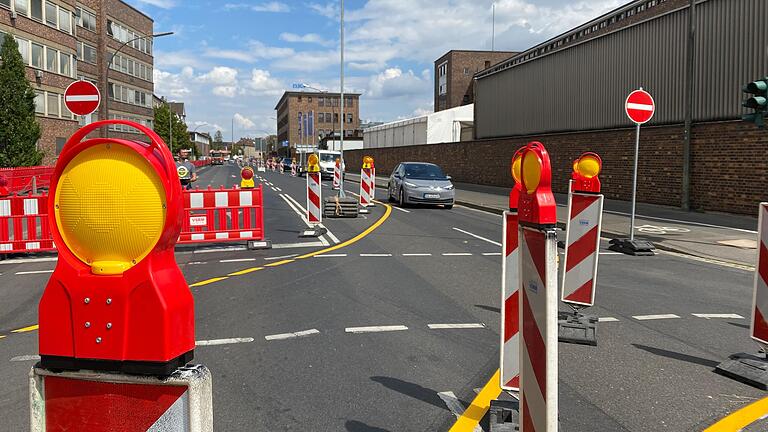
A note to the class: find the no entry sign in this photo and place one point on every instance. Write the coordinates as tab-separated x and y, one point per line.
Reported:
639	106
82	97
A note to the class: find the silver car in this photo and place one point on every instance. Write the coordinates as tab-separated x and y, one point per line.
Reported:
420	183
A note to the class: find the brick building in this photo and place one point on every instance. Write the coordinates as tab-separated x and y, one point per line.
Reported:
65	40
454	72
324	109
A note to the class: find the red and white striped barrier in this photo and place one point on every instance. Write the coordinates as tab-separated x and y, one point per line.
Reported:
373	183
106	402
314	198
337	175
222	215
758	328
510	299
582	242
365	187
24	225
293	169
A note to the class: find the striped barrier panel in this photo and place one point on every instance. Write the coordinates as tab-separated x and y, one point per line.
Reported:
314	198
758	328
222	215
24	225
510	300
24	179
337	175
365	187
582	242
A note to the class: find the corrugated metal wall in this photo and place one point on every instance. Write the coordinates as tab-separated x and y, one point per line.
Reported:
584	87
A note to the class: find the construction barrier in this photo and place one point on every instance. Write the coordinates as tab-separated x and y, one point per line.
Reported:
293	168
22	180
106	402
759	326
509	354
365	182
24	225
314	197
538	299
337	175
222	215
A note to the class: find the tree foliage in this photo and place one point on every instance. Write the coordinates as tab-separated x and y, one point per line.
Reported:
19	130
180	138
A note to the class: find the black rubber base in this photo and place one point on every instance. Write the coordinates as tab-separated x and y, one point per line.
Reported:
57	363
747	368
504	415
577	328
632	247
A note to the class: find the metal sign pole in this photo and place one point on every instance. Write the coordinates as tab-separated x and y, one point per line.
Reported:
634	184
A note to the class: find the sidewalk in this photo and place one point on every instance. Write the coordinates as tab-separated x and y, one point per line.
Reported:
718	236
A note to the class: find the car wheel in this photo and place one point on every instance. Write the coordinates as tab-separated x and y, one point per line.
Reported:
401	198
390	198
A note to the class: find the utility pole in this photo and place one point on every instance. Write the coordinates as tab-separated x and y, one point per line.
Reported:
170	127
493	26
341	100
686	186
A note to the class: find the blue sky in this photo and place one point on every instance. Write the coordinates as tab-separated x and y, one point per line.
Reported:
234	59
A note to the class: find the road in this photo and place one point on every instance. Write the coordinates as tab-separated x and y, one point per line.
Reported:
365	337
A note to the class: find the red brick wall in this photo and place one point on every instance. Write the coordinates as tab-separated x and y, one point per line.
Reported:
736	149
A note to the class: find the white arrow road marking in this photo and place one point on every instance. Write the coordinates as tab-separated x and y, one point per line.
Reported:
223	341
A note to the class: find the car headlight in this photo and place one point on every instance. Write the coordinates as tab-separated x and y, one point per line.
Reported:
449	187
409	184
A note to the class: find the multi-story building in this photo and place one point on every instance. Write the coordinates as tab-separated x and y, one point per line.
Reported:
323	108
202	141
454	72
65	40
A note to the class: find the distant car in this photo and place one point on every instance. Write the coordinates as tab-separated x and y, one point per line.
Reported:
420	183
286	163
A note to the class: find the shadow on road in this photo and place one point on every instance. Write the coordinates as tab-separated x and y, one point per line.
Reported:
356	426
744	326
488	308
678	356
411	389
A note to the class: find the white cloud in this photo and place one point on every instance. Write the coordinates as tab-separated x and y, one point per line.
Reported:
261	82
243	122
328	10
306	38
220	75
171	85
272	6
163	4
242	56
393	83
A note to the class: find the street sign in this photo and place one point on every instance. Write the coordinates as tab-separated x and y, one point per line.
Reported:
640	106
82	97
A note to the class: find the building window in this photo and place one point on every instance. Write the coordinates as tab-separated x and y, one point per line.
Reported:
53	104
52	60
349	117
24	49
335	117
321	101
65	21
466	71
6	3
40	102
86	53
36	9
86	20
65	67
37	55
21	7
51	17
309	99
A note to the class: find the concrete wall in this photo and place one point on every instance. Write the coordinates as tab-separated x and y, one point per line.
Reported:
729	162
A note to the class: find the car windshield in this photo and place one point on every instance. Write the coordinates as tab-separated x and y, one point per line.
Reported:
424	172
328	157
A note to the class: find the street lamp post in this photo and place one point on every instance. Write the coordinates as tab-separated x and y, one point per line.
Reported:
195	130
341	100
109	66
333	111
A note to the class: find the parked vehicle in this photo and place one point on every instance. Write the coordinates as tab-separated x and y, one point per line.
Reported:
286	163
420	183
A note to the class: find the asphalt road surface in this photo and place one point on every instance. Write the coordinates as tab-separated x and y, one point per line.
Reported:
389	332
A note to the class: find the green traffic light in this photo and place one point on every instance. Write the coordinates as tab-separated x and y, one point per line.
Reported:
757	102
756	87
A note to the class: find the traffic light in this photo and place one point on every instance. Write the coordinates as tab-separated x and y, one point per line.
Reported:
758	102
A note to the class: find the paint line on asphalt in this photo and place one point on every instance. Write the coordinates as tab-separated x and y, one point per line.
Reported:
224	249
477	236
330	256
607	319
197	263
29	357
280	257
295	210
298	245
274	189
491	253
223	341
330	235
741	418
716	315
654	317
416	254
2	337
457	254
639	216
401	209
29	260
456	326
279	263
470	419
33	272
208	281
709	261
375	329
26	329
237	260
245	271
283	336
375	255
279	190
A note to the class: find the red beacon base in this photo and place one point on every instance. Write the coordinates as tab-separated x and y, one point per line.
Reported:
117	300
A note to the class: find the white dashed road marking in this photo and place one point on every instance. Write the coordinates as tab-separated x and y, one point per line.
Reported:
298	334
401	209
375	329
223	341
478	237
491	253
457	254
33	272
237	260
607	319
723	316
456	326
654	317
330	256
375	255
417	254
280	257
22	358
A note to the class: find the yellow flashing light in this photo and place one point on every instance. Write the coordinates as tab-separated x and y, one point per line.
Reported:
312	163
110	207
515	168
367	162
531	170
587	165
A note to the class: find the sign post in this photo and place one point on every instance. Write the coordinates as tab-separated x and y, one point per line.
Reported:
640	108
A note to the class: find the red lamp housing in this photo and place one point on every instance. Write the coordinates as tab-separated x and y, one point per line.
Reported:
514	167
537	203
585	173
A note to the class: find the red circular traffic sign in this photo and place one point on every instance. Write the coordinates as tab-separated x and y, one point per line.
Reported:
640	106
82	97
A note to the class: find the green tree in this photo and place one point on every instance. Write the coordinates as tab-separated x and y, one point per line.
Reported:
19	130
218	140
180	133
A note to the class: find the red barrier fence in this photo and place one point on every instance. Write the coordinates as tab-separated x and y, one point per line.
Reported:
211	215
216	215
201	163
22	179
24	225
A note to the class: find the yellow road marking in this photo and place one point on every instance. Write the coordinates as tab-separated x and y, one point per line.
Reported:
479	406
275	264
742	418
246	271
26	329
208	281
387	212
